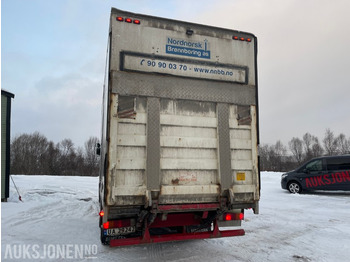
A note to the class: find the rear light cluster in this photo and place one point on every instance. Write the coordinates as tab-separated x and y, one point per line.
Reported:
241	38
233	216
128	20
117	223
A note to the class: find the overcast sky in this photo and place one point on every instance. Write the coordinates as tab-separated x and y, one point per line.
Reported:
53	59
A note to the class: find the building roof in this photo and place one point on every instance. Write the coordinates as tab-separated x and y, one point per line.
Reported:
7	93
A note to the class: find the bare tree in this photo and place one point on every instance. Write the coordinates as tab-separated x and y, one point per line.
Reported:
34	154
50	159
330	143
91	158
296	147
28	154
66	147
316	147
343	144
308	140
264	157
275	158
19	154
278	156
312	147
67	157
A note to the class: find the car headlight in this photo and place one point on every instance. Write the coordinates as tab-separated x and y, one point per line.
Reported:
283	176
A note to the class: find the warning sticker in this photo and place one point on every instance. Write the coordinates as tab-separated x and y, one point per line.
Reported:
240	176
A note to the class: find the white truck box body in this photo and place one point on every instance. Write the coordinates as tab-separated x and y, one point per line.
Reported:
180	120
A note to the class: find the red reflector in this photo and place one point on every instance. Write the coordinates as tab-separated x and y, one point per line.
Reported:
249	40
128	20
228	216
137	22
120	19
242	39
102	213
106	225
235	38
119	223
233	216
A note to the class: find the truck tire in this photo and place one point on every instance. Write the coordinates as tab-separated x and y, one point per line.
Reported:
294	187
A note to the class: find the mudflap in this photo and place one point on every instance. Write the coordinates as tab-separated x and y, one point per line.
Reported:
147	238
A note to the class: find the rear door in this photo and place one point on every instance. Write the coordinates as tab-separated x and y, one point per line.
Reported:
338	173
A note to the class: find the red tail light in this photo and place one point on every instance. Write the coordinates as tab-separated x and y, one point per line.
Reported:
241	38
233	216
102	213
228	216
117	223
128	20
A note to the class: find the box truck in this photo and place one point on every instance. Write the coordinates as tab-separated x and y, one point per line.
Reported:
180	133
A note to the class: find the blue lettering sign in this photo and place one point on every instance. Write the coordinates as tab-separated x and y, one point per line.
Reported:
187	48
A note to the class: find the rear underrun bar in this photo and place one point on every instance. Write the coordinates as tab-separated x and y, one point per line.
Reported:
147	238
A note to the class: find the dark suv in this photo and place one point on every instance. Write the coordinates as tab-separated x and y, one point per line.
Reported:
322	173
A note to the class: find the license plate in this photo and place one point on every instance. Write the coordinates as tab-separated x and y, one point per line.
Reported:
119	231
240	176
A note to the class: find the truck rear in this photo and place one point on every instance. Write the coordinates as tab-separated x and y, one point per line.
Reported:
179	155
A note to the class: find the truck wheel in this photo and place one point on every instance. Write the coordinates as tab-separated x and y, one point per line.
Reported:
294	187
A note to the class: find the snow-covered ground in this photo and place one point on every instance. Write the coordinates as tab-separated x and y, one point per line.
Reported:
58	218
